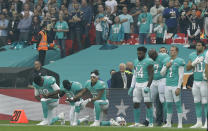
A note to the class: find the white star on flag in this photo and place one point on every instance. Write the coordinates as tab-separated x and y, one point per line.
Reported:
185	112
121	108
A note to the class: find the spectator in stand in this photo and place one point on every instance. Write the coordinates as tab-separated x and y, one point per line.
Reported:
171	15
129	67
113	5
3	5
12	27
183	20
117	32
24	26
27	8
65	3
110	17
121	79
71	5
156	11
145	26
127	22
61	28
31	4
160	30
193	28
3	30
53	13
177	4
101	26
35	29
135	12
17	6
54	4
37	70
87	19
205	15
39	11
109	81
76	27
95	6
121	4
7	14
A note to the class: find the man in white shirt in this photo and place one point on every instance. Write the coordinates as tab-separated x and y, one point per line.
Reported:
156	11
112	4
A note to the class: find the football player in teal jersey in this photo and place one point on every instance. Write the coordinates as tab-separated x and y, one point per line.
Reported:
158	85
71	89
173	70
98	90
140	86
47	92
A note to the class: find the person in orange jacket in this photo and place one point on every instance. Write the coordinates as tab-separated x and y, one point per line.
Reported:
43	44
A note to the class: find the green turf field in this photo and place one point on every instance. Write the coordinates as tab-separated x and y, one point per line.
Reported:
5	126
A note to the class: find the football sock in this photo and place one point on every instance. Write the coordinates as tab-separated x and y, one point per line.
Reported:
136	115
55	119
205	111
45	109
179	107
169	112
97	110
105	123
164	110
150	114
198	107
180	117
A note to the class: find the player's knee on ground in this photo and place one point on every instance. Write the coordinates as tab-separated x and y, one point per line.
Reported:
136	105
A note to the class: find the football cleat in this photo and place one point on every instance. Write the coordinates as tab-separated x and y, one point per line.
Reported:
61	118
197	125
180	126
114	123
121	121
136	125
96	123
42	123
167	126
205	126
150	125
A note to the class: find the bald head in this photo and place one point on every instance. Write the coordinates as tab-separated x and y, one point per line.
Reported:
122	67
130	65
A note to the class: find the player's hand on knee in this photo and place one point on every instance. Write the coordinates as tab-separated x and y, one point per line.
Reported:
177	92
130	91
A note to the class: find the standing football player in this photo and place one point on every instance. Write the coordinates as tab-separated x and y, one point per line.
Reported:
140	86
158	84
47	92
71	89
173	69
98	90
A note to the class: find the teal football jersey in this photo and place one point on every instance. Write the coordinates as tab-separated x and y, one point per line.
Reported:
158	64
46	88
95	89
141	69
199	68
172	72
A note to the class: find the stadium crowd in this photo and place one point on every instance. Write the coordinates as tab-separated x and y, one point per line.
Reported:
110	20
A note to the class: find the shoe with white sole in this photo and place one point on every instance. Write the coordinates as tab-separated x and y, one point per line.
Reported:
136	125
96	123
42	123
150	125
180	126
114	123
205	126
61	118
197	125
167	126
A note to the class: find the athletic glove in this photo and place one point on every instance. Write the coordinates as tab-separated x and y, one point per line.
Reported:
130	91
146	89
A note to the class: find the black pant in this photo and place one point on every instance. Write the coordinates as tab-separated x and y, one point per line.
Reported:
42	54
172	30
159	40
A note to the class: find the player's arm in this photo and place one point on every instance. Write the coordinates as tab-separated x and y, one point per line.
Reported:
189	66
55	94
98	97
180	79
79	95
37	95
150	69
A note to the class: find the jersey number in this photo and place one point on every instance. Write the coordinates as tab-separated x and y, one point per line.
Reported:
140	73
199	67
171	72
43	92
156	67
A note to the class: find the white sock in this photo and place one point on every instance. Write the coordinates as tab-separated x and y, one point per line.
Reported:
199	120
169	117
180	118
75	117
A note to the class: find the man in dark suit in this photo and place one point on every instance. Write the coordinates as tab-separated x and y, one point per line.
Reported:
121	79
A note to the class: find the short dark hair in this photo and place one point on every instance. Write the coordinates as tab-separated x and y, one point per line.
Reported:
202	42
37	79
175	48
66	83
142	48
96	72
